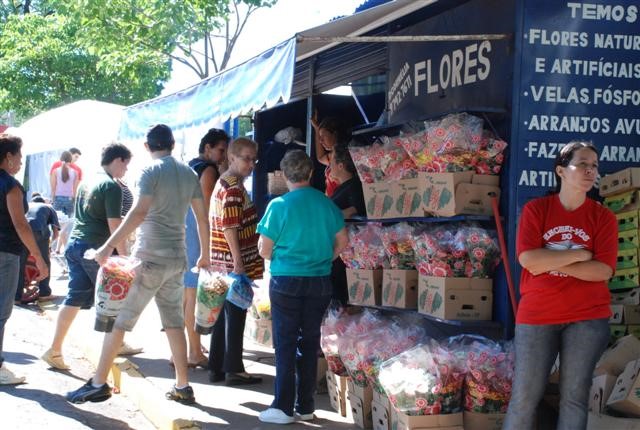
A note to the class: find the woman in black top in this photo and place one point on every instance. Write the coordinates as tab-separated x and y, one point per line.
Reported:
14	232
349	198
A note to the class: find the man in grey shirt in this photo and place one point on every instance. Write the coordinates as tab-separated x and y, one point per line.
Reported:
166	189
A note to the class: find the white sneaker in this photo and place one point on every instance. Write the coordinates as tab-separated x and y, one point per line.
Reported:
127	349
275	416
8	378
304	417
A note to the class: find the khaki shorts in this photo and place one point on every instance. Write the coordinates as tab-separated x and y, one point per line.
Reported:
162	281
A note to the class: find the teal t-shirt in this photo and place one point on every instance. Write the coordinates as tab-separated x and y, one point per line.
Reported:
302	224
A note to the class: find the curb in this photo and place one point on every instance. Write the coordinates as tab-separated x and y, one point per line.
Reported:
127	379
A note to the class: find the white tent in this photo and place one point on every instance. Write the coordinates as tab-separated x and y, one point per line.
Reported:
88	125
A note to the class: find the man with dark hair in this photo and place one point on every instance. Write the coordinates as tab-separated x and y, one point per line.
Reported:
75	154
41	216
166	189
97	210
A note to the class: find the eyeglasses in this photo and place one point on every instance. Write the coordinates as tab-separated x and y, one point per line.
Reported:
248	160
585	166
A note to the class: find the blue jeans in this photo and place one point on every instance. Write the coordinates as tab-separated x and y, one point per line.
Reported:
9	268
298	305
83	274
580	345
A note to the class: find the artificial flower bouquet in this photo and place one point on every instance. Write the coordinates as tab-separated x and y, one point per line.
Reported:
365	249
425	380
397	242
383	161
213	287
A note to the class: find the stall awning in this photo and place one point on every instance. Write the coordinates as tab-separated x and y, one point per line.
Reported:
262	81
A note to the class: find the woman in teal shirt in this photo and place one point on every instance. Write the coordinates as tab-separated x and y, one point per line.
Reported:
300	287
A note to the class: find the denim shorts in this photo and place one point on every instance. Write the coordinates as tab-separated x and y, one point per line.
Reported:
63	204
82	275
162	281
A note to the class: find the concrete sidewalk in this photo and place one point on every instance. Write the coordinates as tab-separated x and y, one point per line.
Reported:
147	376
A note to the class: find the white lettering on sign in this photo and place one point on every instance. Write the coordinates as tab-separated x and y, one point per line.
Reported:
569	123
608	69
604	12
543	149
537	178
556	94
620	153
627	126
558	38
461	67
401	86
608	96
566	229
627	42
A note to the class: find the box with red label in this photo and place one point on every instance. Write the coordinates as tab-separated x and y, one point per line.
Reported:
364	286
455	298
400	288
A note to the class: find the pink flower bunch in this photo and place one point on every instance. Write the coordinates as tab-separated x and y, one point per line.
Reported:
365	249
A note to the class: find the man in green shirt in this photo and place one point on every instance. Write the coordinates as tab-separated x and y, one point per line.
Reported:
97	209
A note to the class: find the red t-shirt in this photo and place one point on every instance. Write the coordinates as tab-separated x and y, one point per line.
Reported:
556	298
72	165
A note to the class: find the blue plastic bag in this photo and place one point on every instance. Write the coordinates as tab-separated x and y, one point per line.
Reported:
241	291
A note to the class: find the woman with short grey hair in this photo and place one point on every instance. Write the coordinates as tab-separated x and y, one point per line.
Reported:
300	286
296	166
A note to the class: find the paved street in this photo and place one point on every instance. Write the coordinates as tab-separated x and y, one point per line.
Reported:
145	379
40	402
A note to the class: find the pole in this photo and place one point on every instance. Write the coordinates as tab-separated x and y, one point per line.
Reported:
504	253
383	39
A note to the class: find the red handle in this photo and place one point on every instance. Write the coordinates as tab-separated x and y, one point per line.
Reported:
505	254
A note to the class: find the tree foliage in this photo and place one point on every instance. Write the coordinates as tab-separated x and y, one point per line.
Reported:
43	65
191	27
54	52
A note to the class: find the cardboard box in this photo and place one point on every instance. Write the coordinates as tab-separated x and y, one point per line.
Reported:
617	312
628	240
455	298
605	422
365	286
379	200
625	396
617	331
435	422
380	416
631	297
382	399
407	194
616	357
321	371
627	259
624	279
478	421
365	393
627	220
448	194
361	411
337	390
623	202
619	182
631	314
400	288
601	388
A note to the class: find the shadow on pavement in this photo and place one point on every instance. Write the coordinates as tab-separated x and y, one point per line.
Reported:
58	404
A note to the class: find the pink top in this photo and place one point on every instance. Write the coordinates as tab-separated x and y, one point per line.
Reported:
65	189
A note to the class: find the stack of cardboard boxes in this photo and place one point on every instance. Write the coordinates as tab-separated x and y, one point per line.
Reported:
616	382
439	194
622	196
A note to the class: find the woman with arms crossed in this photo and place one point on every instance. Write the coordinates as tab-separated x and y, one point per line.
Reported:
567	245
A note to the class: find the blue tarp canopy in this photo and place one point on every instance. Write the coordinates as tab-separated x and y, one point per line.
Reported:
262	81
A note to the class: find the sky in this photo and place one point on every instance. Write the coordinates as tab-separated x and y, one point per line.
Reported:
266	28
